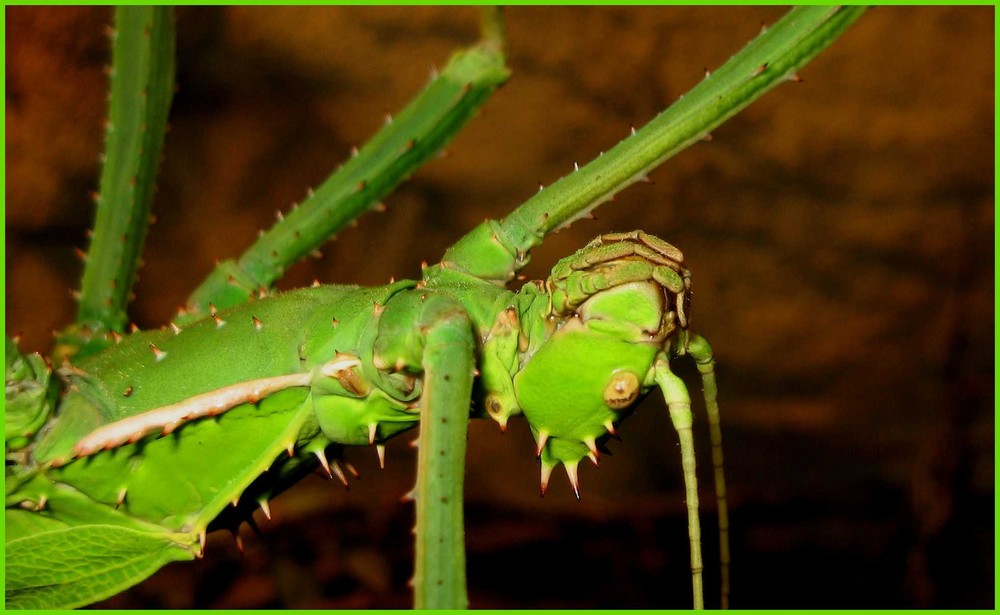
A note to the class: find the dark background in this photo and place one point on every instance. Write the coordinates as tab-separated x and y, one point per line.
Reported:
840	232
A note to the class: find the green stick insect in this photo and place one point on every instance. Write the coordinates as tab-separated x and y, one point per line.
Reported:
106	454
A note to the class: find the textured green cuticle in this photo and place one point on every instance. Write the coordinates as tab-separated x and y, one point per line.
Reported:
768	61
132	454
406	141
142	85
31	394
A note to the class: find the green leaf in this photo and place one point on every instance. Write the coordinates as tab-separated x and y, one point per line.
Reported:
76	566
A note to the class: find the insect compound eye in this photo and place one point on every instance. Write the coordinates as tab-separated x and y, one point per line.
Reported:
622	390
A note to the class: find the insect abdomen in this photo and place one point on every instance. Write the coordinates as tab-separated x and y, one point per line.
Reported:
183	480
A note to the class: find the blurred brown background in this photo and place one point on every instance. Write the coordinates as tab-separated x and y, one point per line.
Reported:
840	232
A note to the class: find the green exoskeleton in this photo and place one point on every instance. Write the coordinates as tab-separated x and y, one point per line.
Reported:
125	455
294	377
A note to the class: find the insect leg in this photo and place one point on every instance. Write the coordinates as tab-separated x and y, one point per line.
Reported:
679	405
701	352
417	134
448	363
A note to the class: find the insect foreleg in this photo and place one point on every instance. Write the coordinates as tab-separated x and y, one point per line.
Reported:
448	363
679	405
701	352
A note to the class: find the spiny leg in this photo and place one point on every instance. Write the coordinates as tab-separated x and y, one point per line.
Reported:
404	143
679	405
448	363
780	49
701	352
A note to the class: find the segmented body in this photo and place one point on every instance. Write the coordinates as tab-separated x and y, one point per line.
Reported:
283	382
330	365
327	334
259	392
